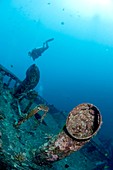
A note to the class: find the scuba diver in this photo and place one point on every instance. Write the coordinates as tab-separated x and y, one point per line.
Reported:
36	52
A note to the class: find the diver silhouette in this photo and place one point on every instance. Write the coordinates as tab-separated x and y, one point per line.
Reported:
37	52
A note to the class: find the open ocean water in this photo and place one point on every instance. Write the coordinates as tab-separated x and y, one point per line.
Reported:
78	65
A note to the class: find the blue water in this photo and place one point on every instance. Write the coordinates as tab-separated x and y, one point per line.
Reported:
73	70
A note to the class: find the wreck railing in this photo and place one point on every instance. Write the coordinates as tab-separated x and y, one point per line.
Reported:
10	76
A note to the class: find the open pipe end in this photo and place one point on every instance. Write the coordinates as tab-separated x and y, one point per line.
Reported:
84	121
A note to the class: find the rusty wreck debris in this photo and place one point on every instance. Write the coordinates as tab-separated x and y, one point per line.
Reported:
25	146
82	124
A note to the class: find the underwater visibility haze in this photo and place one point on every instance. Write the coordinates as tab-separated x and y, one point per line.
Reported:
75	61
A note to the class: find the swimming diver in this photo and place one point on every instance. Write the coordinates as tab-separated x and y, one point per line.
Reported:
36	52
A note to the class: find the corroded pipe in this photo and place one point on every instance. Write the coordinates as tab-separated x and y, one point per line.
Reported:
82	124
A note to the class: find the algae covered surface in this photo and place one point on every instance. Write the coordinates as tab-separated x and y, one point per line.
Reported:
19	144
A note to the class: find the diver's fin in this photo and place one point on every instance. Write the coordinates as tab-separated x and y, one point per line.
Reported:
50	40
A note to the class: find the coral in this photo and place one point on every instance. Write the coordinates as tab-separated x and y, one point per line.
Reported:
20	157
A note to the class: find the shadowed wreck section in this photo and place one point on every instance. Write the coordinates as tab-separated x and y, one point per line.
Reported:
30	82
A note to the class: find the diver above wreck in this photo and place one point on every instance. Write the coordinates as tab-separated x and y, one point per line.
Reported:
37	52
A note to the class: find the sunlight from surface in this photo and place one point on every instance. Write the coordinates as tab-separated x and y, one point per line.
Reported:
88	8
90	19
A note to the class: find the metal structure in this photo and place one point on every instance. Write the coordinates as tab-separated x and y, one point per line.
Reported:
24	145
82	124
